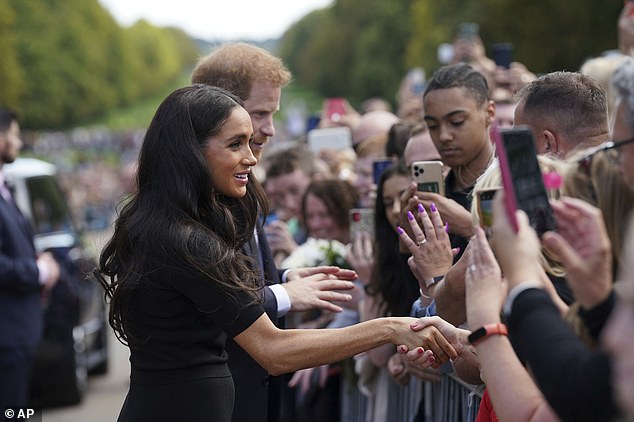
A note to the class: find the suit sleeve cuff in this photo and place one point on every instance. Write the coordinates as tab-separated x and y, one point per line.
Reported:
283	300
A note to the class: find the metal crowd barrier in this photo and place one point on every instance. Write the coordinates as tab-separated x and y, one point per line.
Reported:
450	400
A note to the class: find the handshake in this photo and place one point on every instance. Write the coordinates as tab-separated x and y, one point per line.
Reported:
441	342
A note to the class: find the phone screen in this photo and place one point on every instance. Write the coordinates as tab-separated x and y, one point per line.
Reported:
485	209
527	180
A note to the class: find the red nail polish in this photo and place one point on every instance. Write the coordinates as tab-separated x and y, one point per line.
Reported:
420	351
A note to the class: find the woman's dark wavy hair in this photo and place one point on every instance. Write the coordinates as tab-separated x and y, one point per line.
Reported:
176	216
388	279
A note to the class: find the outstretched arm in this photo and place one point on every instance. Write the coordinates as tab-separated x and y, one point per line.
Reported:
282	351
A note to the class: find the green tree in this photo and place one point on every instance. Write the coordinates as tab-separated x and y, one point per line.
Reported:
354	48
10	71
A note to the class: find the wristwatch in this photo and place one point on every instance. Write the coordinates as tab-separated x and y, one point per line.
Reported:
434	280
486	331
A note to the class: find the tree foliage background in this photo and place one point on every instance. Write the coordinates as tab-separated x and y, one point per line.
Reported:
69	61
362	48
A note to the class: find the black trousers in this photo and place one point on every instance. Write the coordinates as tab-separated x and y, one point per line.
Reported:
15	371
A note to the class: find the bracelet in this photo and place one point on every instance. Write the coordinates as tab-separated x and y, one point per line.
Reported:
487	331
434	280
423	295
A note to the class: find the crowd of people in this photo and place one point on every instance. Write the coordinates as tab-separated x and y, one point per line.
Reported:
247	285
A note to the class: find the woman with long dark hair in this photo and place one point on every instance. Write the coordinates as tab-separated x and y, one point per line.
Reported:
180	283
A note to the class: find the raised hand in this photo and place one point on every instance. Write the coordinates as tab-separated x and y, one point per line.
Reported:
430	248
360	254
318	287
517	253
455	215
485	289
583	247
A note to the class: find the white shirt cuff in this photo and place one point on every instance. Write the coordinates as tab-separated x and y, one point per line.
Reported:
43	272
283	300
515	292
284	276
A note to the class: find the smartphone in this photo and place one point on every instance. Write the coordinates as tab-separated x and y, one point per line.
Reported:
329	138
378	167
335	108
502	54
522	179
362	221
428	175
484	206
468	30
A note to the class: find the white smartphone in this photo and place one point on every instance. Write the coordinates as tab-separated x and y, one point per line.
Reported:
362	221
329	138
428	176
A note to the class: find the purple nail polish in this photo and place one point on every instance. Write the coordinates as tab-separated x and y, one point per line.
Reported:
421	209
410	216
433	207
399	229
447	227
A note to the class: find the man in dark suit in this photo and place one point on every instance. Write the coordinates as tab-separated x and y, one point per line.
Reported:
23	278
258	77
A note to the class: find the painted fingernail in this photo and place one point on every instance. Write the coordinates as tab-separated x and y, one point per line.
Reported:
402	349
447	227
432	359
432	207
410	216
421	209
399	229
420	350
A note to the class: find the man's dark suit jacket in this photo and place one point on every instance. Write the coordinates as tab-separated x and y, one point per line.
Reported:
20	309
257	394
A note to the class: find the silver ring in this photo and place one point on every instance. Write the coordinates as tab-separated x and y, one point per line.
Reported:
421	242
471	268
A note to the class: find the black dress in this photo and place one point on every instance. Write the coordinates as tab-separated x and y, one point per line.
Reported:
178	362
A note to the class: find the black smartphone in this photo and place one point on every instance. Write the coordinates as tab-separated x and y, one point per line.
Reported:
522	178
378	167
502	54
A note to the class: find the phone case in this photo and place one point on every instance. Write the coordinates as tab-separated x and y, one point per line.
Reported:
361	221
335	108
428	176
526	178
510	204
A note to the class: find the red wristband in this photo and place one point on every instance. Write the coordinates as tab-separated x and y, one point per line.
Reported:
486	331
